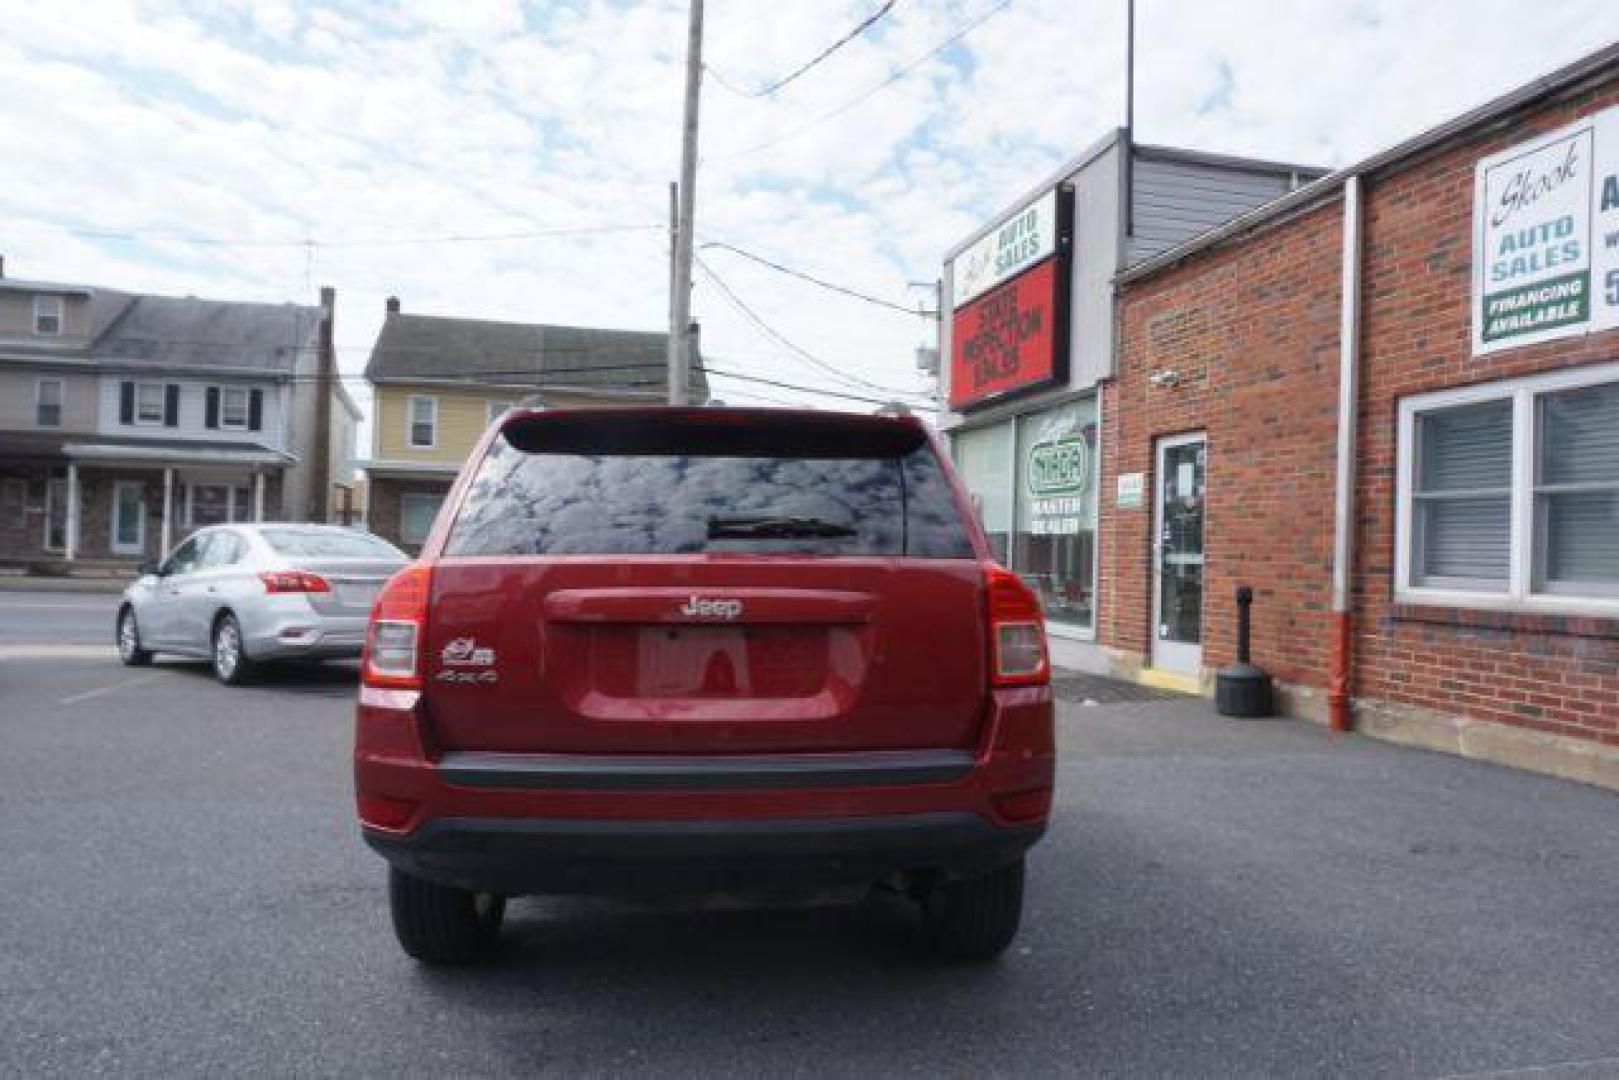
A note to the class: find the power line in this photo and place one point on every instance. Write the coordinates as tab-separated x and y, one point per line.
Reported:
813	280
315	242
765	91
893	77
775	335
728	374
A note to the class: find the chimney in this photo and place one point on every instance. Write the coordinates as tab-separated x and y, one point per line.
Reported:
393	305
320	464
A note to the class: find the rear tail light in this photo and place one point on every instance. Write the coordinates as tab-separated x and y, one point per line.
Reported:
398	625
1017	631
293	581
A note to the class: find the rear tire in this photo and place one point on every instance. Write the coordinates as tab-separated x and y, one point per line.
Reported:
129	640
227	653
973	919
440	924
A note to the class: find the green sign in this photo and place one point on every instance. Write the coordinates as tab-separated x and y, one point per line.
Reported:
1059	467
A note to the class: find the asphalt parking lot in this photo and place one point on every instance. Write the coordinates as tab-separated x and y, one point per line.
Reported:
185	892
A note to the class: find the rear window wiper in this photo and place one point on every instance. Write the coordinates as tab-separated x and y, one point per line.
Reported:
773	527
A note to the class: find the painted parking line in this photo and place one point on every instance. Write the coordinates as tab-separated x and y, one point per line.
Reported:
88	695
57	652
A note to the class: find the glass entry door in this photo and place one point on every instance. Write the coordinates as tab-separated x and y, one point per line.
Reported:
1177	616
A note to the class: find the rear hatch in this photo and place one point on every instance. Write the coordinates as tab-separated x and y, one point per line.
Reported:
705	582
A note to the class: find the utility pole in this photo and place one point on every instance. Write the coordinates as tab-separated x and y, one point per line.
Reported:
680	302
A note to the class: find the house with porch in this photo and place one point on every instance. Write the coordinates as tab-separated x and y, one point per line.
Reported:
438	382
128	420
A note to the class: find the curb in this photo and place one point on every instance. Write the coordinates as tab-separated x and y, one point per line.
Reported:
24	583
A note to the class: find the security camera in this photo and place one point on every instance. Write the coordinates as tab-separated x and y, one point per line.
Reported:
1166	377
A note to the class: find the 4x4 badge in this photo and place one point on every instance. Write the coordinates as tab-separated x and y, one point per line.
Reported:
466	652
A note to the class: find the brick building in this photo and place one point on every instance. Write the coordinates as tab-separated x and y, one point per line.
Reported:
1389	402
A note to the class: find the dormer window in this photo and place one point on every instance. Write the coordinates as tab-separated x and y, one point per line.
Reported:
48	316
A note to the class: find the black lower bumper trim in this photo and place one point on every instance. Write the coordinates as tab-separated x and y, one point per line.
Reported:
717	771
551	856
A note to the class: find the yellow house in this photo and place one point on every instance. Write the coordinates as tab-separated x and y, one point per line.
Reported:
438	382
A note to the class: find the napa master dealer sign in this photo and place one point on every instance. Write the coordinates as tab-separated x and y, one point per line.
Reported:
1546	237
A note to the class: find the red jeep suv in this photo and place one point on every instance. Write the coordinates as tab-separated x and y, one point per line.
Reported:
704	651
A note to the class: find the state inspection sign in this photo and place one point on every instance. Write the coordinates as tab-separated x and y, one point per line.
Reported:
1546	237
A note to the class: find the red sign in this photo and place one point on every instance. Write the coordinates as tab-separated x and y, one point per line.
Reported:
1006	339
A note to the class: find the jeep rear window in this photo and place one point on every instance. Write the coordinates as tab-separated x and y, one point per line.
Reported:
678	486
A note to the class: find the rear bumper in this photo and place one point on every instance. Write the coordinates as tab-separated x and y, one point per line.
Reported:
300	633
548	856
538	823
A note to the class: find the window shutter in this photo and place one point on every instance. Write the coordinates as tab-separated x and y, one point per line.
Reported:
171	405
211	411
126	403
255	410
1463	524
1577	497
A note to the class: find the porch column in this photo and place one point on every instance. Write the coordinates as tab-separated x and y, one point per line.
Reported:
168	510
72	523
258	496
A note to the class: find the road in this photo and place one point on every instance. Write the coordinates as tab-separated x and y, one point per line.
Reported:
185	892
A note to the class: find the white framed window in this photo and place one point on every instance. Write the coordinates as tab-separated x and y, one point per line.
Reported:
48	316
421	422
149	401
1508	495
48	403
417	509
233	407
493	410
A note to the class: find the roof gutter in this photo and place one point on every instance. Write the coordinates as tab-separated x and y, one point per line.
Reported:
1473	122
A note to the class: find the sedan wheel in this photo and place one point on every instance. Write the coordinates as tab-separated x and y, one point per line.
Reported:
231	665
129	640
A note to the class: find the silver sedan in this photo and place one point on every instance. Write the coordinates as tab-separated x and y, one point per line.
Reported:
239	595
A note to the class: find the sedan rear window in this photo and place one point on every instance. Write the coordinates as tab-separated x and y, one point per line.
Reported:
329	543
762	495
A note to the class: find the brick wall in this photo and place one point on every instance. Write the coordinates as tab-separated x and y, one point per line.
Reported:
1553	674
384	495
1252	328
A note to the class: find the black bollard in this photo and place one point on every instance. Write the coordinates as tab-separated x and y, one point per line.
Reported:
1241	689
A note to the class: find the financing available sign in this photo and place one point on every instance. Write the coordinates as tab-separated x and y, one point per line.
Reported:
1546	237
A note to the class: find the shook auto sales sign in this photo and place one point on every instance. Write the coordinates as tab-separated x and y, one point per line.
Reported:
1546	237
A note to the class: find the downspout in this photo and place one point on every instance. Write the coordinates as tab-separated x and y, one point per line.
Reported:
1339	713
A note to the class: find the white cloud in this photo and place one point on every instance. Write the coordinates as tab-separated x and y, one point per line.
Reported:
275	122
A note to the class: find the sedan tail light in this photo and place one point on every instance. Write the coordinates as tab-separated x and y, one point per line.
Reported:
398	624
293	581
1017	631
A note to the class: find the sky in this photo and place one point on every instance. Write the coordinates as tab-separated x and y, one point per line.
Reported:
510	160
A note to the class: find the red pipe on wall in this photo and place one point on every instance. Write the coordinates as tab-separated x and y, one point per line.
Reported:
1338	712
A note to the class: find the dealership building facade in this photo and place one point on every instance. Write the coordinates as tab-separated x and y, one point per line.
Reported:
1028	341
1402	385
